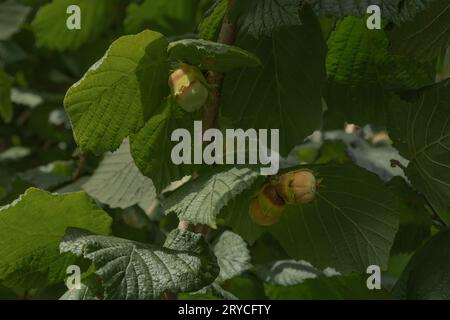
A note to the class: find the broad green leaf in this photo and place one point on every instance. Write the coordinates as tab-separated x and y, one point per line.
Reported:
345	228
233	255
12	16
421	131
201	200
415	220
287	91
6	111
132	270
348	287
264	17
50	23
117	181
362	74
427	276
174	17
427	36
291	272
212	56
49	176
31	229
119	92
151	149
210	26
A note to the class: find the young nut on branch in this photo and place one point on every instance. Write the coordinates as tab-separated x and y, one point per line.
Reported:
267	207
189	87
297	186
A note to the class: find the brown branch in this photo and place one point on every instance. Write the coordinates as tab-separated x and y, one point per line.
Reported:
227	35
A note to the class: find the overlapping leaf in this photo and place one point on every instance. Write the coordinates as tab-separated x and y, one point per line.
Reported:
31	229
362	74
415	220
52	32
422	133
209	28
151	149
287	91
345	228
174	17
117	181
427	36
119	92
264	17
233	255
426	277
132	270
210	55
201	200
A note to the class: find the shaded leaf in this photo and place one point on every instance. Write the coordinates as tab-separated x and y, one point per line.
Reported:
117	181
286	88
31	229
427	36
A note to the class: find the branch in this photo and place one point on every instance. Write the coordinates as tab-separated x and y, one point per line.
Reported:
227	35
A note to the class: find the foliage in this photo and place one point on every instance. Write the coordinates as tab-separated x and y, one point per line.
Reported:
86	170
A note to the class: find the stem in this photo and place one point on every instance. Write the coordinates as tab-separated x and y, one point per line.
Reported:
80	167
227	35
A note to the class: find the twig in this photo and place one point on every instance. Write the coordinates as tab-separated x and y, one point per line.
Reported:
80	167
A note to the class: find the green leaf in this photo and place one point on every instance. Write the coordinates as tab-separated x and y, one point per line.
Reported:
174	17
421	131
6	111
210	26
415	220
426	277
264	17
349	287
211	56
31	229
119	92
117	181
233	255
154	158
201	200
51	30
286	88
49	176
427	36
12	16
362	74
344	228
291	272
132	270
